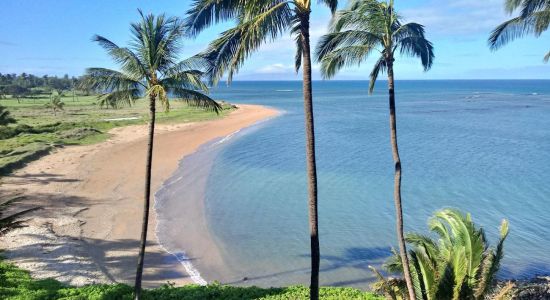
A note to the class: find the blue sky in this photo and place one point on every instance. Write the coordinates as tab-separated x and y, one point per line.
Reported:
53	37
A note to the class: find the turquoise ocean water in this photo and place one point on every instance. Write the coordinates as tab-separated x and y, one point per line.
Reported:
481	146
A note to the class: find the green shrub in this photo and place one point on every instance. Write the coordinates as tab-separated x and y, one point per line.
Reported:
17	284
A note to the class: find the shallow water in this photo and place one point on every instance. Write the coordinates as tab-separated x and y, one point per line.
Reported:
481	146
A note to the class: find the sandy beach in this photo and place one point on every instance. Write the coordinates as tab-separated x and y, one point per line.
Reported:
92	196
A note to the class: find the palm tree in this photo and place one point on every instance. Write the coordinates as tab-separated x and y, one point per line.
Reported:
260	21
55	102
368	26
5	117
534	19
459	265
149	65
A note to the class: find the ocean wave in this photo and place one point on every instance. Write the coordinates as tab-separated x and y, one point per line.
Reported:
284	90
227	137
184	260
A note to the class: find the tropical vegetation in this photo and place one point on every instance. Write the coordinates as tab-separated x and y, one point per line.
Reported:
55	104
458	265
17	284
366	27
5	117
258	22
534	18
150	65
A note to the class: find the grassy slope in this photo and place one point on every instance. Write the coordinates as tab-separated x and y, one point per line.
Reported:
17	284
82	122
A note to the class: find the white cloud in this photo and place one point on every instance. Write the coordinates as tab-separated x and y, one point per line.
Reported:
458	16
276	68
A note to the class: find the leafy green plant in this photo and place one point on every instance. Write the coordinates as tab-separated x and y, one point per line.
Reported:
17	284
458	265
55	104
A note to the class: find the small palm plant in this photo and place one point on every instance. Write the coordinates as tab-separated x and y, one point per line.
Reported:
10	221
534	19
366	27
55	104
5	117
150	66
458	265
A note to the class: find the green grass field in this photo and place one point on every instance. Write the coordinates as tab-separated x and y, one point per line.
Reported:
16	284
38	130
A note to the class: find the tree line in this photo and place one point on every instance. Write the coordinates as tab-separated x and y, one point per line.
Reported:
27	85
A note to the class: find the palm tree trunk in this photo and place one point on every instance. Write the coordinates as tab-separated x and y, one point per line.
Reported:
310	158
145	221
397	184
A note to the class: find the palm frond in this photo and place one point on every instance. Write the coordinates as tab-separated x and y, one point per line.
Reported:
419	279
491	263
528	7
189	79
296	31
204	13
119	98
331	4
408	30
196	99
418	47
333	41
156	40
519	27
365	15
423	241
159	92
547	57
343	57
229	51
388	287
127	59
196	62
299	53
379	67
393	263
446	281
102	79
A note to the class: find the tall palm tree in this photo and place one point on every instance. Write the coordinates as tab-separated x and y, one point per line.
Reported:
260	21
149	66
368	26
534	19
459	265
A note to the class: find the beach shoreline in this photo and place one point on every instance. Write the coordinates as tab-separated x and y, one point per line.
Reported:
88	231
